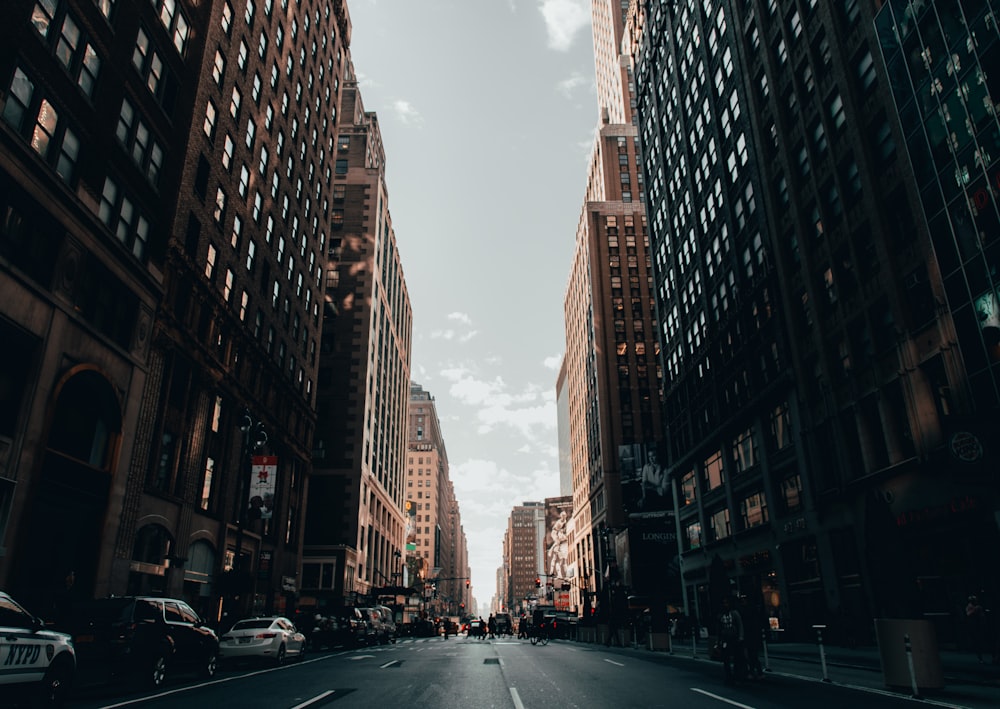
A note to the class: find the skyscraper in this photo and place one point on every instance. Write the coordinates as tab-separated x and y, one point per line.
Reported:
813	389
612	373
354	533
195	145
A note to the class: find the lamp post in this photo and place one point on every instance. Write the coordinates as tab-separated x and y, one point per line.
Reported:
254	438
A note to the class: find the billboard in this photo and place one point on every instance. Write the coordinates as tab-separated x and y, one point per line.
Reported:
411	526
645	485
558	538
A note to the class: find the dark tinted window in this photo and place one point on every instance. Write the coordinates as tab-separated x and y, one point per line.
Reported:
172	613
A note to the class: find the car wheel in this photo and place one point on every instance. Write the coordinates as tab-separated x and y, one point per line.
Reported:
302	652
211	665
55	684
280	657
157	671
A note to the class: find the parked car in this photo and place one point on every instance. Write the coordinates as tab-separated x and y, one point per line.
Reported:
141	637
271	638
374	628
389	633
34	662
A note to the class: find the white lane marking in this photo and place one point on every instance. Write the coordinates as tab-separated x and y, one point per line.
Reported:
721	699
613	662
382	667
188	688
360	657
315	699
517	699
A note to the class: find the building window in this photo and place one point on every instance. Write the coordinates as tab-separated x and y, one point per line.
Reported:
719	525
692	535
147	62
753	509
210	262
135	137
219	68
38	122
781	426
173	22
219	213
121	216
210	119
744	451
713	475
689	488
791	493
206	483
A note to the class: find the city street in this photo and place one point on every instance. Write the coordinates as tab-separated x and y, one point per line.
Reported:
465	673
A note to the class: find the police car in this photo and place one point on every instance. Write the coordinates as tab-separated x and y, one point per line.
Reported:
34	660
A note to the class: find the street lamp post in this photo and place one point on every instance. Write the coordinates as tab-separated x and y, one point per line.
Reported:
254	438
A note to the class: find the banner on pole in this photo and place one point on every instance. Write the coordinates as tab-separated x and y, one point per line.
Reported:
263	474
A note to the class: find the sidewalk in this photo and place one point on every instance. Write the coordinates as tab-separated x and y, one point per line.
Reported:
967	683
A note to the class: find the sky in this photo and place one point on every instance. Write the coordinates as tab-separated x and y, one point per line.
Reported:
488	113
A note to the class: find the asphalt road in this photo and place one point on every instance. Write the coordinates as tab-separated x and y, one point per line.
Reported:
462	673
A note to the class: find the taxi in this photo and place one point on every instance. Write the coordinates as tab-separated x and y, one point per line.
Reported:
33	659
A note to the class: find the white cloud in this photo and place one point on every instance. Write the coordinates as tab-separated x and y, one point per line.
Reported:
567	86
530	413
553	362
461	317
563	19
406	113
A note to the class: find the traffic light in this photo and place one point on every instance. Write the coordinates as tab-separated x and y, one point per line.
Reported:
538	582
462	606
467	583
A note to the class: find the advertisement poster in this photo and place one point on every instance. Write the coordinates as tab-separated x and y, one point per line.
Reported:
411	526
645	486
263	474
558	534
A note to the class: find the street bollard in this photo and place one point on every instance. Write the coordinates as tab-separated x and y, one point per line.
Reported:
767	663
822	653
694	643
909	661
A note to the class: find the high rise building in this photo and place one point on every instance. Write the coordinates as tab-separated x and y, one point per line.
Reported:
436	546
193	146
611	361
524	558
354	534
825	390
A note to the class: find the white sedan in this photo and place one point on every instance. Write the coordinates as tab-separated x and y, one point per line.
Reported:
272	638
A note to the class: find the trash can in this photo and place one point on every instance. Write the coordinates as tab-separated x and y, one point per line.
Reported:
891	634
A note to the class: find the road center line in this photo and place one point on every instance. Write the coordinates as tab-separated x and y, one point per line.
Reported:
317	698
721	699
382	667
613	662
517	699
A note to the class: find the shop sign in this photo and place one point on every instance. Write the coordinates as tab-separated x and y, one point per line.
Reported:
288	584
965	446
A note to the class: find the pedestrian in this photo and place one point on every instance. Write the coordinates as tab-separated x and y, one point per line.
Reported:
492	625
975	617
731	639
62	603
753	627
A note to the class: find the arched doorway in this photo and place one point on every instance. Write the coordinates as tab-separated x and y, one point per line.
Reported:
63	527
199	575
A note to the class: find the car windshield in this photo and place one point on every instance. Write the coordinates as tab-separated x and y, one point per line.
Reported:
252	624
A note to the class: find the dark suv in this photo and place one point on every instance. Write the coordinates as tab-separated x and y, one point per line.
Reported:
141	636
